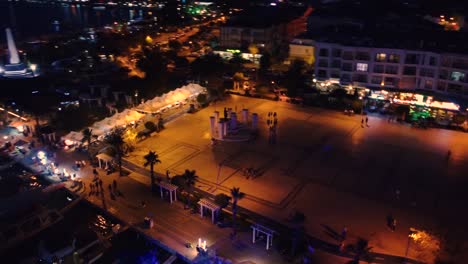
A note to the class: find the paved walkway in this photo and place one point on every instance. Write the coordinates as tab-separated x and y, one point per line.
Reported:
174	226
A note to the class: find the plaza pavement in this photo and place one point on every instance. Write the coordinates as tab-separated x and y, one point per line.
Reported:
325	165
173	225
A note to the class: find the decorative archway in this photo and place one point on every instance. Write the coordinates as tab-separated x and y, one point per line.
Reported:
257	228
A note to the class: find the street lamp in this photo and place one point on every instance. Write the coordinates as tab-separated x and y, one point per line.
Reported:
411	233
136	96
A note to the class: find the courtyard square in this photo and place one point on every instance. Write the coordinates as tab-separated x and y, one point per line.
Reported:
325	165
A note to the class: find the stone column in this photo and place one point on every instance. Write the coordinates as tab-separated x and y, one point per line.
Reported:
233	120
245	115
254	121
225	130
220	129
216	115
212	126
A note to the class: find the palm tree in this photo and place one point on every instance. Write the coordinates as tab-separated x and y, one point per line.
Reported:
361	250
236	195
297	220
190	177
150	159
87	136
116	142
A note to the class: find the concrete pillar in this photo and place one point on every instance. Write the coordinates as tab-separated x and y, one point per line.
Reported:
254	121
212	126
233	120
245	115
225	128
216	115
268	242
220	129
253	234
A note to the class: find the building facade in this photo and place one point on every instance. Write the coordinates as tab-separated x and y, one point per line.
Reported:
267	33
373	67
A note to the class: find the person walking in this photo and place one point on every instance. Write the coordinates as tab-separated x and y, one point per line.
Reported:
114	184
344	233
362	122
367	121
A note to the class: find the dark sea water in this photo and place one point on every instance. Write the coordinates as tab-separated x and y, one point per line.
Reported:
31	20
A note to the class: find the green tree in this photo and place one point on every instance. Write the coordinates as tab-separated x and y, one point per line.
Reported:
402	112
361	250
297	221
116	142
236	195
190	178
295	78
222	200
265	62
151	126
153	63
357	106
175	45
238	79
87	136
150	160
458	119
201	98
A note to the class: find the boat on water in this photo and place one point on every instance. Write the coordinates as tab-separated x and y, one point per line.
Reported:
99	7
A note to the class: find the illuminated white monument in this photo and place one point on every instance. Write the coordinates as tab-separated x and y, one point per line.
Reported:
15	68
12	51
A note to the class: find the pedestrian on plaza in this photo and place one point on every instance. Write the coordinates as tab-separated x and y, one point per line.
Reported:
449	153
143	204
362	122
344	232
389	221
274	114
367	120
114	184
341	247
394	224
100	183
167	176
110	188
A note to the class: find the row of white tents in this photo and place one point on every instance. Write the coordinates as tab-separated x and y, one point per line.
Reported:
129	116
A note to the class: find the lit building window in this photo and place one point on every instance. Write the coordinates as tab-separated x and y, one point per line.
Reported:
380	57
361	67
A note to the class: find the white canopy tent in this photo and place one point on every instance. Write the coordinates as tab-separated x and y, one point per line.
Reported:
128	116
73	138
177	96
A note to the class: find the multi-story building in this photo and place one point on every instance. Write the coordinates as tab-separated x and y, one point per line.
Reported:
375	67
364	63
384	50
274	28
